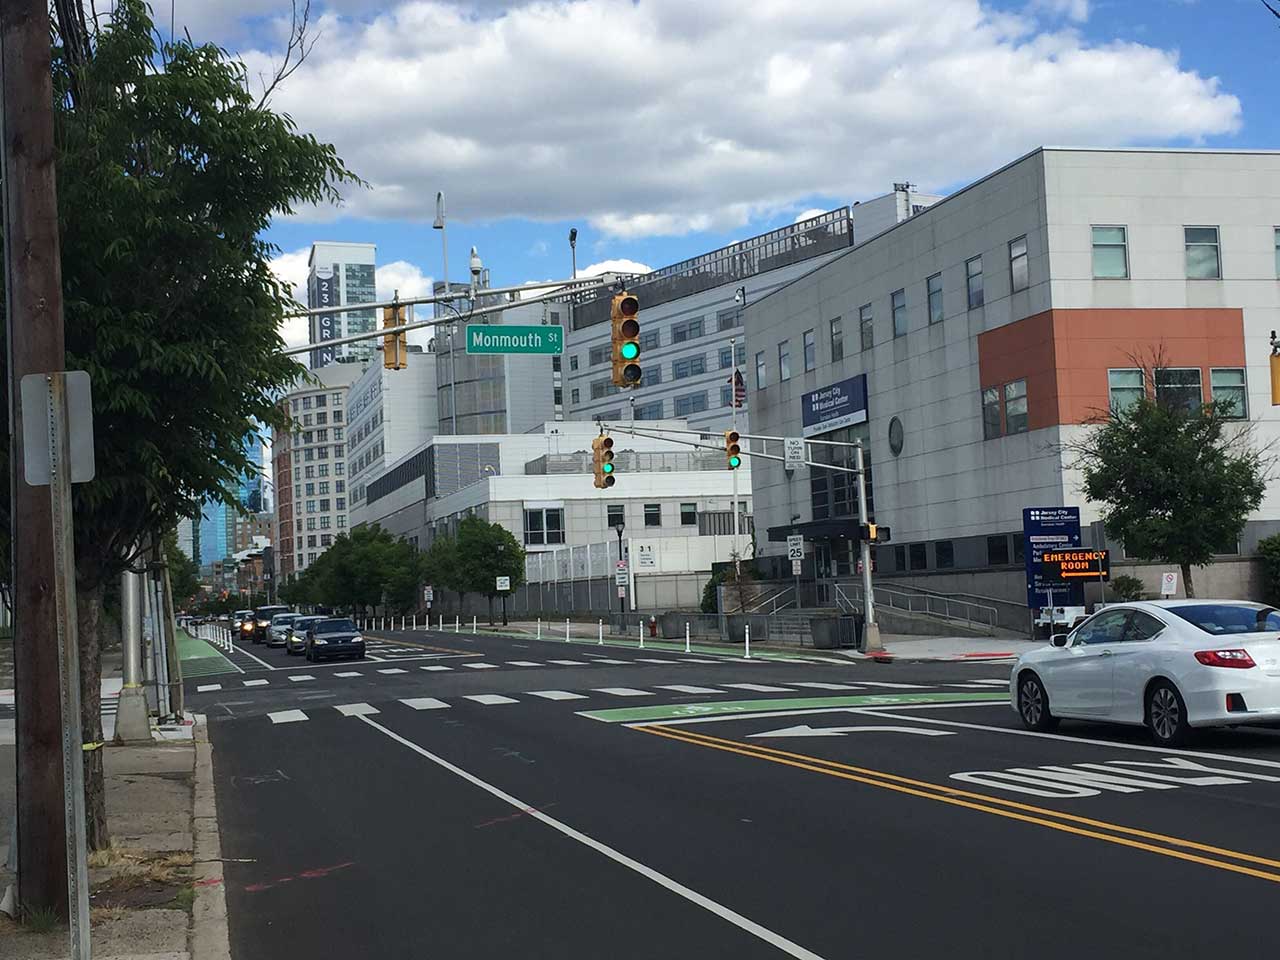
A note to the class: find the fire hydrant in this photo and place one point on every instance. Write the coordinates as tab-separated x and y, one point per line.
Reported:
653	625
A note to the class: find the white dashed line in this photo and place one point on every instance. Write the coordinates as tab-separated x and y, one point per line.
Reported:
615	662
569	663
827	686
349	673
256	683
689	688
694	660
437	667
481	666
425	703
209	687
647	660
556	695
894	686
490	699
296	678
624	692
287	716
759	687
393	670
356	709
523	663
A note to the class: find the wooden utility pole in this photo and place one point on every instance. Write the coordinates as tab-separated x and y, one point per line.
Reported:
33	303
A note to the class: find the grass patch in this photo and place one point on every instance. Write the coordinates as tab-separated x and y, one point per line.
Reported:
137	864
103	915
185	898
43	920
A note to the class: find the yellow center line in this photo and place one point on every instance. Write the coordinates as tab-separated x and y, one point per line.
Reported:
980	802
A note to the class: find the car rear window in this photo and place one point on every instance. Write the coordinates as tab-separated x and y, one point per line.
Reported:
1218	619
335	626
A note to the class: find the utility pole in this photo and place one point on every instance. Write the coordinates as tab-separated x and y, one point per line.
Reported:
870	629
33	285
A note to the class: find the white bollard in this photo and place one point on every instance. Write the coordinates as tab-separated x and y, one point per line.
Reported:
402	624
566	629
457	623
539	628
473	624
415	621
442	623
686	639
600	641
641	634
747	637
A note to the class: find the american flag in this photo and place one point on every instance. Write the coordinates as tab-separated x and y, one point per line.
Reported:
739	388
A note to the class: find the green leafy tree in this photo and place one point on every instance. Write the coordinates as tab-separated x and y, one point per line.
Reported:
440	565
1175	484
168	171
485	552
1269	553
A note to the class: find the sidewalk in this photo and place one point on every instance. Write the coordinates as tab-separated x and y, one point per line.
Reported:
898	647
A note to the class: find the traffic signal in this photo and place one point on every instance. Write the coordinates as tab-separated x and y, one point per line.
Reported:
873	532
732	450
395	346
602	461
625	315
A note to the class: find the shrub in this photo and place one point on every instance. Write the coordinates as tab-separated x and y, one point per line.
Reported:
1269	553
1125	587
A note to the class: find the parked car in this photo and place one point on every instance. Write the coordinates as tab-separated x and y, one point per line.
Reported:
1171	665
278	632
296	641
260	622
334	637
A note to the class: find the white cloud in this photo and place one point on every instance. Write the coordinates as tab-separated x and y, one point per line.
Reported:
291	267
409	280
809	214
614	266
739	110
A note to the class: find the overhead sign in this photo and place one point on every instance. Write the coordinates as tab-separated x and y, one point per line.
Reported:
1067	565
1046	529
1168	583
504	583
795	547
840	405
513	338
793	453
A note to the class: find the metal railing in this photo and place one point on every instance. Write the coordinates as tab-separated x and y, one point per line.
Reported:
849	597
773	602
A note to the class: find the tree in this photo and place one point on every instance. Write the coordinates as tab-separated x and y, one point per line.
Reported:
1175	483
440	565
184	573
485	552
168	171
1269	553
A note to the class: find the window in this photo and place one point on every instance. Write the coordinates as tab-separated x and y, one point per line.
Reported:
649	411
688	514
1015	407
573	362
726	396
311	523
342	520
602	388
837	340
650	340
324	506
653	514
322	436
762	375
324	523
296	404
544	526
320	400
898	307
1178	388
323	470
973	281
337	416
933	286
311	540
1124	388
689	330
598	355
557	394
728	319
899	558
1226	385
917	556
990	413
339	486
1142	626
321	418
997	551
339	468
726	357
326	539
1203	260
1019	272
688	367
691	403
740	353
309	472
866	327
574	394
810	351
555	364
311	506
311	489
311	558
615	513
649	376
784	360
306	403
1106	627
337	433
336	399
944	554
1110	253
340	503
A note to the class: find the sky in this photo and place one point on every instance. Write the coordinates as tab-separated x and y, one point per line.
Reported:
661	129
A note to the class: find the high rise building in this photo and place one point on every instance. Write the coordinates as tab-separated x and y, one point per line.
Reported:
340	274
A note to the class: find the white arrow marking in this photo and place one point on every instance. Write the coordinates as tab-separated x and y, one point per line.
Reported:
804	730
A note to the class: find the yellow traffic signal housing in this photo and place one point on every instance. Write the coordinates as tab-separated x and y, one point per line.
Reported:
1275	379
625	315
732	450
602	462
395	346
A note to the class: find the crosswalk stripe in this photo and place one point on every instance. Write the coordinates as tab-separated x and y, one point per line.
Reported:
425	703
523	663
974	686
256	683
490	699
287	716
349	673
759	687
994	683
435	667
356	709
615	662
208	687
695	660
651	660
481	666
569	663
624	692
827	686
690	688
893	686
296	678
393	670
556	695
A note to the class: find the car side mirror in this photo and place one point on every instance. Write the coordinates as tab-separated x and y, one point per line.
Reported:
1059	639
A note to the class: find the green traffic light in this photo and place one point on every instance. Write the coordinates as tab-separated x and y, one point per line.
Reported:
735	463
607	468
629	351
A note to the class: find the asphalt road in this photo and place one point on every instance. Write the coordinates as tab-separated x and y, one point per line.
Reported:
538	799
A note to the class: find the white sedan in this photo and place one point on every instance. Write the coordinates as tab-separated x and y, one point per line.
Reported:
1168	664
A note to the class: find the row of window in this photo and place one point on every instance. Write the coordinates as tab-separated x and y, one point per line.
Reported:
317	400
325	522
320	419
340	486
303	437
322	470
1202	252
545	526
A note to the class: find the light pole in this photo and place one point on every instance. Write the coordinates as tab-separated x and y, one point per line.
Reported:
438	224
619	527
573	250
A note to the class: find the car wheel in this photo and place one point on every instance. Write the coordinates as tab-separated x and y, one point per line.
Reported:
1033	704
1167	715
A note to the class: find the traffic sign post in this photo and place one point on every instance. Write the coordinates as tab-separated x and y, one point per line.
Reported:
1050	529
504	584
792	453
795	547
514	338
1168	583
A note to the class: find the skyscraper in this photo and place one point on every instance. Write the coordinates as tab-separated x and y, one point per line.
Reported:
341	274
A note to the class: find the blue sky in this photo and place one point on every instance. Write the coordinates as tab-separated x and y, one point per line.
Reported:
662	128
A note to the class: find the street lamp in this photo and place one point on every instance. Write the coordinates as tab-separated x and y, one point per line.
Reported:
573	249
619	527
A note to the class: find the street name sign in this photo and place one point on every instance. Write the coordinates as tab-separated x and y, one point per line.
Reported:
513	338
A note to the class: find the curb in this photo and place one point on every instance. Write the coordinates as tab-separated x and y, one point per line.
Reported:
953	658
209	938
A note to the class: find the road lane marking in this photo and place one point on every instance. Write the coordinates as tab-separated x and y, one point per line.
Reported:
355	709
425	703
481	666
299	677
258	659
789	947
1011	809
804	730
208	687
624	692
569	663
437	667
827	686
616	663
523	663
556	695
490	699
349	673
894	686
255	683
653	660
393	670
695	660
675	712
689	688
759	687
287	716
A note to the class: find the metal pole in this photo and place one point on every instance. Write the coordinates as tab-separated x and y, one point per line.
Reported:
686	638
173	663
870	629
737	550
566	629
600	636
746	636
622	608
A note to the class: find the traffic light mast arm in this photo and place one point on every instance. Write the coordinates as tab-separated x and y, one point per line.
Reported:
755	436
720	449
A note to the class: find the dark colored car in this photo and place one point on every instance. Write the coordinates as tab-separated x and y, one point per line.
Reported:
334	637
259	625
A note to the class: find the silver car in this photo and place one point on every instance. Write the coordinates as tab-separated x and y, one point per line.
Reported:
278	633
296	641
